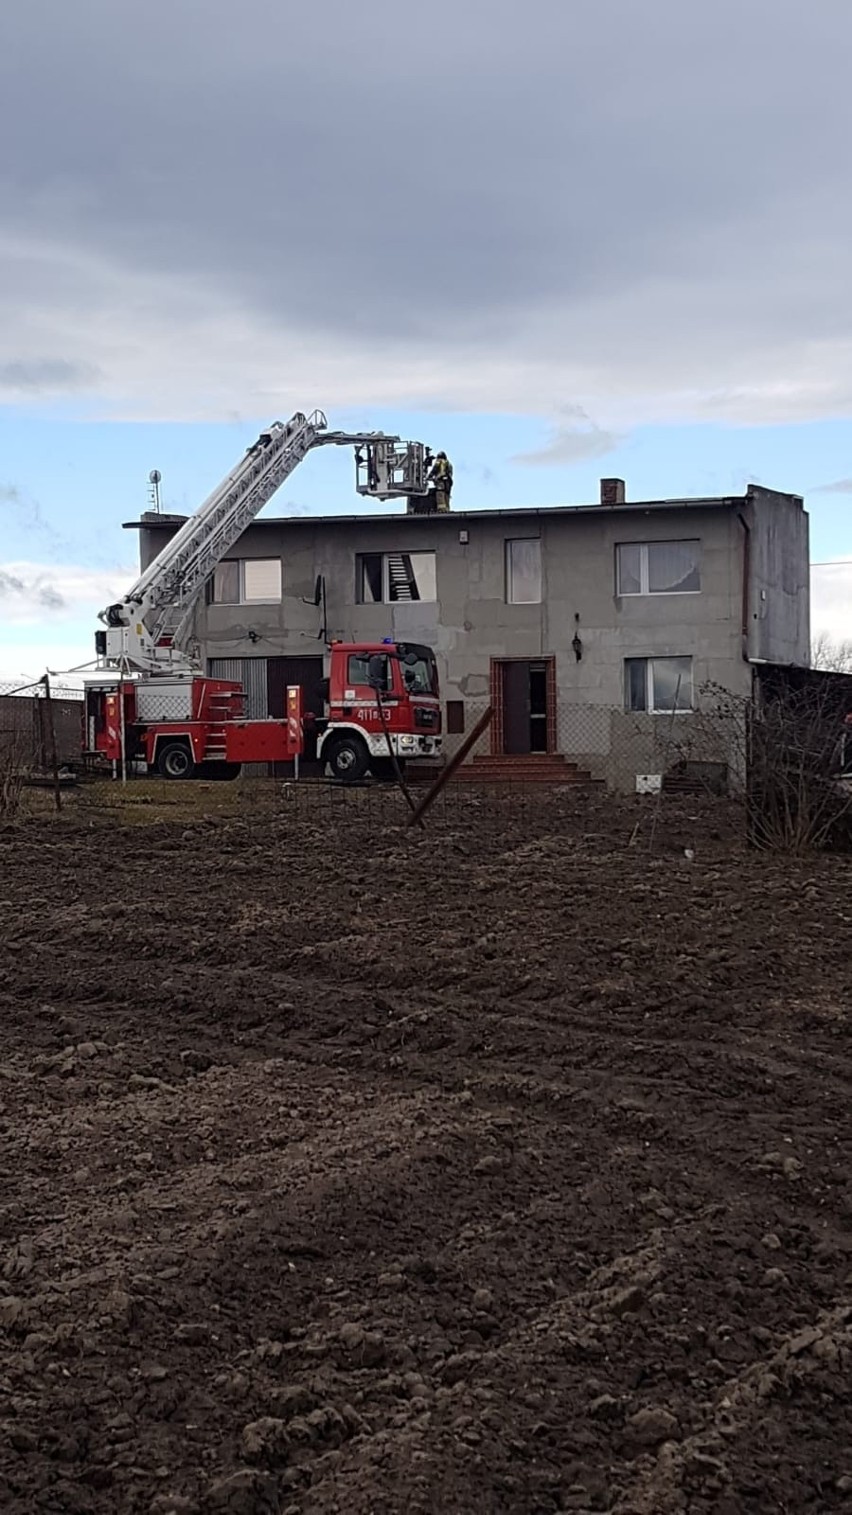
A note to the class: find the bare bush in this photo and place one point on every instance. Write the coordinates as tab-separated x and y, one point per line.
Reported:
14	768
796	800
830	655
784	757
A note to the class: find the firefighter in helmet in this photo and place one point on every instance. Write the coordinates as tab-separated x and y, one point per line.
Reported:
440	480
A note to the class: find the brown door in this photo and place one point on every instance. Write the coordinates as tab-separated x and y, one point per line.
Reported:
516	707
525	707
307	672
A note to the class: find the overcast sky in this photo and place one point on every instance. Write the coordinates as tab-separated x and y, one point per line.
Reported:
638	205
598	215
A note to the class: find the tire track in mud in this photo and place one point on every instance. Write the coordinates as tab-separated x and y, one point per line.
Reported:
329	1195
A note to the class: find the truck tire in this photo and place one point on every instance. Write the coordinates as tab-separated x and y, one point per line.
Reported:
348	759
174	761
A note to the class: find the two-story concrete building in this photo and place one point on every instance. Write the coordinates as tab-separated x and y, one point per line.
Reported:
568	619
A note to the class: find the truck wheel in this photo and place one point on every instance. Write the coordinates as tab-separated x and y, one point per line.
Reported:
174	761
349	759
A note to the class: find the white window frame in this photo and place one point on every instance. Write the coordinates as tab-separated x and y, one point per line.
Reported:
510	598
651	707
241	586
421	552
645	589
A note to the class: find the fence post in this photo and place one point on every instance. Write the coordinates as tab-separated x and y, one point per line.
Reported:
51	742
455	762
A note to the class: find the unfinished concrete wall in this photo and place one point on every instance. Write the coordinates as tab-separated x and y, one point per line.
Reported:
470	623
779	592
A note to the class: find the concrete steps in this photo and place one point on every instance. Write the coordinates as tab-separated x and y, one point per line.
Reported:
532	768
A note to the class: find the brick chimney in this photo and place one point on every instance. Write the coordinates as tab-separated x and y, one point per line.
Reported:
612	491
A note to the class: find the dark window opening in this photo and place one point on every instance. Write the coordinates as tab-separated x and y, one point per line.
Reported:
455	717
370	579
391	578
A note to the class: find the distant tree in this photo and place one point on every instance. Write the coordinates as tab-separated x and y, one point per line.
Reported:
830	655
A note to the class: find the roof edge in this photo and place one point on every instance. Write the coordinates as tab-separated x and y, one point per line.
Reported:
711	502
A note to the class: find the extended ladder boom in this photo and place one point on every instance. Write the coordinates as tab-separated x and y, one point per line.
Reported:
146	630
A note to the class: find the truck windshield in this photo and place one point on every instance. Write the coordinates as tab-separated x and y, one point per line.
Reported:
420	677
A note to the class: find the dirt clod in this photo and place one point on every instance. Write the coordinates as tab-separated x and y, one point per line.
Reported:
245	1492
648	1427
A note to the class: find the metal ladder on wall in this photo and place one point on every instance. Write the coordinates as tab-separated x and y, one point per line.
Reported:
400	578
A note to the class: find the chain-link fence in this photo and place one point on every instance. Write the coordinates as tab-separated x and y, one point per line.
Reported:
777	757
640	751
40	732
625	751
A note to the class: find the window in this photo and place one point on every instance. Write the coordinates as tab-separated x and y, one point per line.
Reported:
390	578
455	717
658	684
523	571
247	581
358	671
658	568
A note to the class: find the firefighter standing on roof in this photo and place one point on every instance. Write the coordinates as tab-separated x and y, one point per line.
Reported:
441	480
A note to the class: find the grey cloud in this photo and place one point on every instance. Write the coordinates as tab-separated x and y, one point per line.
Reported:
577	439
12	586
43	374
50	598
654	198
840	486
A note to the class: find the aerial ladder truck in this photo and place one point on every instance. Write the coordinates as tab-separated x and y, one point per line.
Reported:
152	705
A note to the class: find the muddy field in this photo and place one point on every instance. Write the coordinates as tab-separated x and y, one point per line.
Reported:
346	1170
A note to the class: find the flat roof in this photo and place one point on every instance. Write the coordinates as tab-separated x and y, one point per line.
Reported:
712	502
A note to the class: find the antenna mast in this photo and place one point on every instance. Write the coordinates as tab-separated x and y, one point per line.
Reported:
154	480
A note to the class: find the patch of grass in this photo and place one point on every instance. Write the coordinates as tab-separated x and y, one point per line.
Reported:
146	802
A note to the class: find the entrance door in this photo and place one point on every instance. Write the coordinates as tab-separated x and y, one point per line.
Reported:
525	706
307	672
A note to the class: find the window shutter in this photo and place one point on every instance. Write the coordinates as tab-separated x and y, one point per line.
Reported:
261	581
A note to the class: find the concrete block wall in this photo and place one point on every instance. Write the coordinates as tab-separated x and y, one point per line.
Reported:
752	602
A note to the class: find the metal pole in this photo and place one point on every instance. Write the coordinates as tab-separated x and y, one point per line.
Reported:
122	722
395	762
51	742
455	762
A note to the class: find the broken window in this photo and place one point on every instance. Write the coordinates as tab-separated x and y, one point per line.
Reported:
389	578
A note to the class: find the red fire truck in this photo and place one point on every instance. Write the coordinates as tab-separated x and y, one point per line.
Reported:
381	698
152	705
